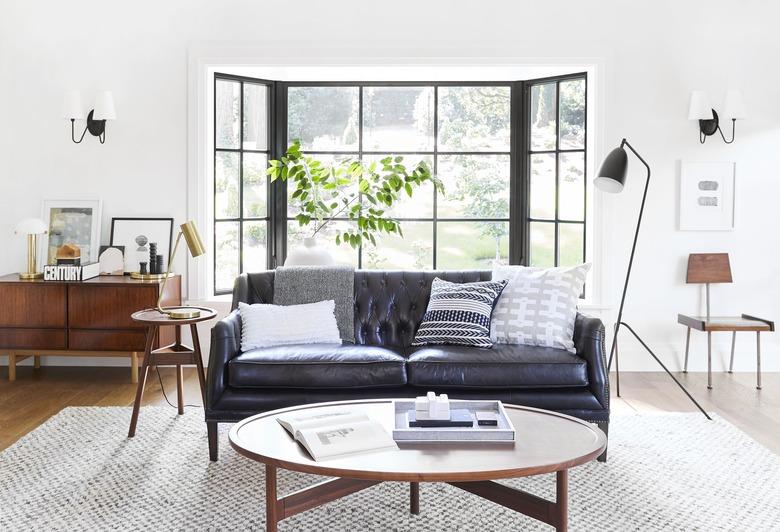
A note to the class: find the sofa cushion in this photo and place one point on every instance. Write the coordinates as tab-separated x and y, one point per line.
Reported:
503	366
317	366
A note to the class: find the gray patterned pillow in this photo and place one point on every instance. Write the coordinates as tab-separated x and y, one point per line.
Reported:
538	305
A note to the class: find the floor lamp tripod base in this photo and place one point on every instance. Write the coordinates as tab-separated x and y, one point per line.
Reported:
614	354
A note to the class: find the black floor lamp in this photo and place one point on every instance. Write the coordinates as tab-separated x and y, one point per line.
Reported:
611	178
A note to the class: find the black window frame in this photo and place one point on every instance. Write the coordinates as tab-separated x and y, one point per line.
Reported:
529	152
519	156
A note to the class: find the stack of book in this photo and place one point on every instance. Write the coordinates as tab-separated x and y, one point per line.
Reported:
71	272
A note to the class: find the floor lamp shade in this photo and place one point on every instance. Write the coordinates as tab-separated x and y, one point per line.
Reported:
612	174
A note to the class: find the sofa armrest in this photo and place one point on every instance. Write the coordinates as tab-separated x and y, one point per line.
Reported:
589	342
225	345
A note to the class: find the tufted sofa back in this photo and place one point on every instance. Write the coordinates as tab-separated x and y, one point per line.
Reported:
389	305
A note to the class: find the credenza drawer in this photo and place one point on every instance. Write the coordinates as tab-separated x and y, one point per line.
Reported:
18	338
87	340
94	307
32	305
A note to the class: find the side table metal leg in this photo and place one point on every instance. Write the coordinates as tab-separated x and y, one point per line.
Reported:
271	517
758	360
733	346
414	498
709	360
687	349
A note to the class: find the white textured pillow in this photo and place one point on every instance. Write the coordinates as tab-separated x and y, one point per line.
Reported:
270	325
538	305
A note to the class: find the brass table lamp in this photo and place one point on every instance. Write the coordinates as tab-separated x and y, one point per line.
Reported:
196	247
32	227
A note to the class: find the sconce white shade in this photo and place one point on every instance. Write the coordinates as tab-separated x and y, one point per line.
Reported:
72	106
734	107
104	106
30	226
700	107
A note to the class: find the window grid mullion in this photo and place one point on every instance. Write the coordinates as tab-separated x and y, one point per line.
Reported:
241	179
435	222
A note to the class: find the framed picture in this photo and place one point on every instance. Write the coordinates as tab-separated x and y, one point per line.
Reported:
75	222
135	234
707	196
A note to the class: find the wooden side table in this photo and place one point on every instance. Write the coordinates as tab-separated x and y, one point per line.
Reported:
744	323
175	354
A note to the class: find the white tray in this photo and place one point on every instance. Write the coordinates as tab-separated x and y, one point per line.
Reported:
504	432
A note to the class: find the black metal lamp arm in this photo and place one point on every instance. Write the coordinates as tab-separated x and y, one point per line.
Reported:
733	131
633	252
73	131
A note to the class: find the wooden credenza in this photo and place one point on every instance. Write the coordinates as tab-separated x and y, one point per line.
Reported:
88	318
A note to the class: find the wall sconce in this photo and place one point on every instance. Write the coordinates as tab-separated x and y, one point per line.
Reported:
701	109
74	109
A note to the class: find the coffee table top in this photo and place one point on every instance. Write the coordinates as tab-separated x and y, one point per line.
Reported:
545	442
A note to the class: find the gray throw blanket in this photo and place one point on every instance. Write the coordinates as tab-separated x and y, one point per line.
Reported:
297	285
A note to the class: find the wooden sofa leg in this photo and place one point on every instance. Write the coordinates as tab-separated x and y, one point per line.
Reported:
212	428
604	426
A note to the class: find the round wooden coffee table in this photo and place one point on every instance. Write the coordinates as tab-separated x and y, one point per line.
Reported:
545	442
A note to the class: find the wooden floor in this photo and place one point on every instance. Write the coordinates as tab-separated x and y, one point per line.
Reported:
36	395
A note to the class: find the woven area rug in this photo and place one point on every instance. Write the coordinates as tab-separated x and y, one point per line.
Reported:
79	472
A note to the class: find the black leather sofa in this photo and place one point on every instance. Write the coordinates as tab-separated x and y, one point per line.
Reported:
389	306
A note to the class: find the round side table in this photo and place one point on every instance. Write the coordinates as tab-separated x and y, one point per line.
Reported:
175	354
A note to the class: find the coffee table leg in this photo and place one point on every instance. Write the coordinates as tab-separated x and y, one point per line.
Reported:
414	498
271	518
562	500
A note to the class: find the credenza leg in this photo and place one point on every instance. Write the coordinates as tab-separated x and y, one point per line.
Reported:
11	366
134	367
37	361
414	498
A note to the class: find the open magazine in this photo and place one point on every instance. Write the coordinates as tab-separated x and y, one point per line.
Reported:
336	433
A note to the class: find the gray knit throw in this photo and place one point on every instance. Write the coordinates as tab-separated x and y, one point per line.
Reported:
297	285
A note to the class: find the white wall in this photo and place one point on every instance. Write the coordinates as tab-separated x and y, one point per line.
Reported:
653	53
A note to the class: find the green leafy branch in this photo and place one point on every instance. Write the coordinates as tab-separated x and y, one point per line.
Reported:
362	193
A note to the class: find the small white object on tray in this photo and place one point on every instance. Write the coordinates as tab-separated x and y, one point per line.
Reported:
432	407
503	431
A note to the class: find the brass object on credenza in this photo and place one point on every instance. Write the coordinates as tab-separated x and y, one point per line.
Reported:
32	227
156	277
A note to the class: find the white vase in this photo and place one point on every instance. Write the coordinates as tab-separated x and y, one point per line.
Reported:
309	254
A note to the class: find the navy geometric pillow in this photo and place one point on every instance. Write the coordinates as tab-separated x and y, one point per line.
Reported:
459	313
